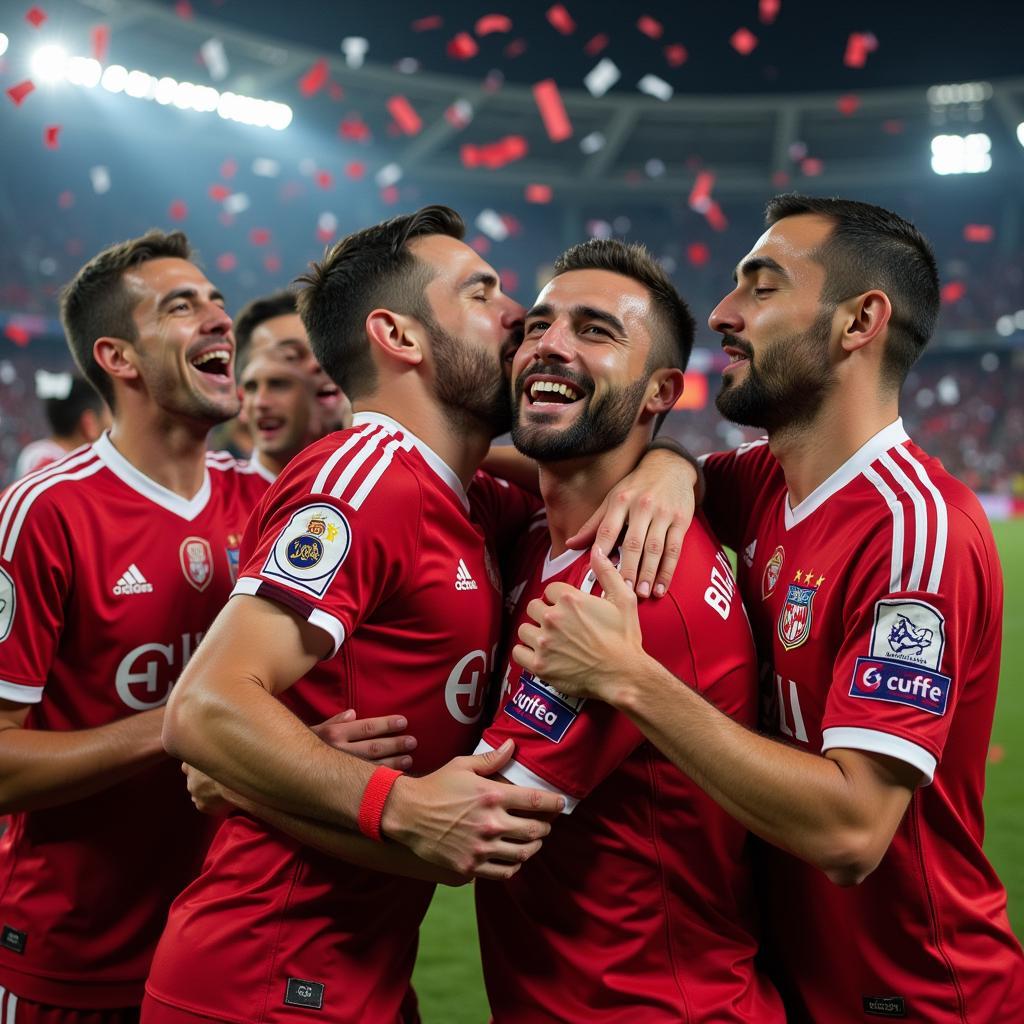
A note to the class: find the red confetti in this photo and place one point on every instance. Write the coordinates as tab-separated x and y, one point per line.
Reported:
218	193
516	48
493	155
893	127
650	27
178	210
35	16
462	47
481	243
552	110
324	179
509	280
229	168
811	166
700	194
561	20
979	233
20	91
50	136
743	41
953	291
227	261
335	91
354	128
389	195
848	104
780	179
768	10
272	264
459	114
184	10
314	79
259	236
858	46
100	36
426	24
324	234
716	218
996	753
227	219
355	169
698	253
676	54
405	117
66	200
596	45
493	23
18	334
538	193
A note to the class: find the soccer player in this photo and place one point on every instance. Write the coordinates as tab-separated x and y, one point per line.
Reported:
640	906
874	590
114	560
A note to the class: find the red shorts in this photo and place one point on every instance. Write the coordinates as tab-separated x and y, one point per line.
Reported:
14	1010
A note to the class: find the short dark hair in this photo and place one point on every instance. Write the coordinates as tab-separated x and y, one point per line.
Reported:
673	337
370	268
96	302
873	248
64	413
266	307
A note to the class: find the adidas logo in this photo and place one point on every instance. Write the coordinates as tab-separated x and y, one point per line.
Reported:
748	553
463	579
132	582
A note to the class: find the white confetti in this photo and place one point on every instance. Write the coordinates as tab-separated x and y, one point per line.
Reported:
592	143
491	224
354	48
656	87
100	178
327	223
601	77
215	59
237	202
654	167
264	167
388	175
52	385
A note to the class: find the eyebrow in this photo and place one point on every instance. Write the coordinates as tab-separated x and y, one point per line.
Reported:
581	313
480	277
186	293
756	263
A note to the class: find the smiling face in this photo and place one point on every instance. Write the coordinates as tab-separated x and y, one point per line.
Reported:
279	407
581	376
473	328
184	349
776	331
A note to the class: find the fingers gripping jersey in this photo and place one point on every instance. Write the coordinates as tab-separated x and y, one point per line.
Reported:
876	605
370	537
639	907
107	583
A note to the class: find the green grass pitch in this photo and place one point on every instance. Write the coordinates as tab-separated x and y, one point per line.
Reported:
448	977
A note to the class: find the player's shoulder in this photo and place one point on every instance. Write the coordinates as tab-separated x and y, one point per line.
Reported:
754	455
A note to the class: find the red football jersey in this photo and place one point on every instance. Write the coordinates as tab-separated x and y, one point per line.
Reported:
877	605
370	536
107	583
639	907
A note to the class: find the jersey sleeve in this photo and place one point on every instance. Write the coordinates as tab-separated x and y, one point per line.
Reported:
732	483
328	562
504	510
910	637
36	575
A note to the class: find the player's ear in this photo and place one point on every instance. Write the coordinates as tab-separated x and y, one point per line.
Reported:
664	389
116	357
395	336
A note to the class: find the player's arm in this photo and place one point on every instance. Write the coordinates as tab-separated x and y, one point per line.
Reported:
223	718
45	769
838	811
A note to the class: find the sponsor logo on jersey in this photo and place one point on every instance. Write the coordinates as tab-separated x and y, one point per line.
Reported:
466	687
12	939
896	682
908	630
146	673
196	559
309	551
8	602
748	553
884	1006
771	572
298	992
795	619
234	542
463	579
132	582
542	708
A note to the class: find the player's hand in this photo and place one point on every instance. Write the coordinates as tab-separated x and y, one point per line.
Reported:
206	793
380	740
655	503
581	644
461	820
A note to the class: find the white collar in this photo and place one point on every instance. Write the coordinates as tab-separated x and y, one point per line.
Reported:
553	566
888	437
260	468
186	508
432	459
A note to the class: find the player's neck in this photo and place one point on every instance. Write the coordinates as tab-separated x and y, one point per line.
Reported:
573	489
811	453
171	453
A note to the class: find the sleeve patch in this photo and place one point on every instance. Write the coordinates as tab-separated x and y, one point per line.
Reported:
895	682
8	602
310	549
909	631
542	708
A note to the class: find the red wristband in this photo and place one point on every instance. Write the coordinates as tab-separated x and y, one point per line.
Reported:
371	809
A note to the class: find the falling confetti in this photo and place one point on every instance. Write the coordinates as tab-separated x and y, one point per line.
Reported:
552	110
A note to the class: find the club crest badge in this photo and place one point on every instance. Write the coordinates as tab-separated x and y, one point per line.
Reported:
196	559
797	612
772	570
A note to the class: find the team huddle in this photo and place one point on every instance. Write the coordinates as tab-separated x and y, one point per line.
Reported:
384	653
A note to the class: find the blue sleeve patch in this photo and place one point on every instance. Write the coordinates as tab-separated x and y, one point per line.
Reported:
541	708
896	682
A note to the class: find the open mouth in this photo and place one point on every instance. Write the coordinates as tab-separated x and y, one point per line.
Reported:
269	424
329	395
547	391
737	357
214	362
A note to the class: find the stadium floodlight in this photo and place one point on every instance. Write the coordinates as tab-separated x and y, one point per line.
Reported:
961	154
49	62
114	78
960	92
1020	133
83	71
4	43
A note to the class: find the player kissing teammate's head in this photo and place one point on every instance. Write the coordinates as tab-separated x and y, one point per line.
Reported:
603	353
148	330
408	303
827	279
